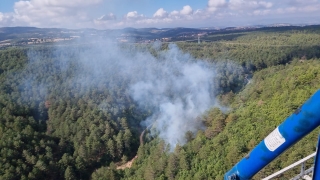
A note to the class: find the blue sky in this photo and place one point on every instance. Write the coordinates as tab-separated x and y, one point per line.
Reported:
111	14
6	5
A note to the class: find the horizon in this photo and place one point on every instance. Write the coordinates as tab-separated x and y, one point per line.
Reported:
284	24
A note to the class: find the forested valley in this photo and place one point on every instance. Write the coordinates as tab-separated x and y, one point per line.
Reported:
59	120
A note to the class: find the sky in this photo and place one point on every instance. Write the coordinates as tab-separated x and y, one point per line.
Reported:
114	14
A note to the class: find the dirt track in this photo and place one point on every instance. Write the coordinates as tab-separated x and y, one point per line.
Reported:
129	163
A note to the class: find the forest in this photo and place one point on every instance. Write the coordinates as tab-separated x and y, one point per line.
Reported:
61	119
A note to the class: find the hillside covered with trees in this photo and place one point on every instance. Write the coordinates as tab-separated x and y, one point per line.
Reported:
62	120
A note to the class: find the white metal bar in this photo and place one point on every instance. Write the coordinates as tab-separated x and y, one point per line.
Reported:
306	177
302	168
290	166
306	172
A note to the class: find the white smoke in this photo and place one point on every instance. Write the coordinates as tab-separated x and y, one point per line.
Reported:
179	89
176	87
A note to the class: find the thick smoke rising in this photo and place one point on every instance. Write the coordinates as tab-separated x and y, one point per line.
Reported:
179	89
172	84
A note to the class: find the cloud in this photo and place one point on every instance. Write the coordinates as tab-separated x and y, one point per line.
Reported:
186	10
174	13
224	12
133	15
161	17
60	3
107	20
214	5
83	13
302	2
53	13
160	13
107	17
5	19
249	5
304	10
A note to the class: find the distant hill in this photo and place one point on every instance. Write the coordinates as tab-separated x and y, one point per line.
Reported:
20	35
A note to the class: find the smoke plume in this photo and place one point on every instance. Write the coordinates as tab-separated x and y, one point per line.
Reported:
173	85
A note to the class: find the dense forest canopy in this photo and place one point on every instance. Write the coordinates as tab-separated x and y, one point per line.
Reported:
77	111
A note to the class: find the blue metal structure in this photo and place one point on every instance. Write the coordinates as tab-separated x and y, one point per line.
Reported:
304	120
